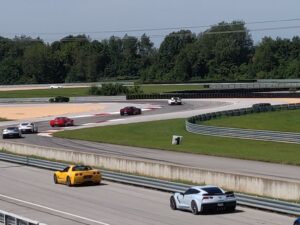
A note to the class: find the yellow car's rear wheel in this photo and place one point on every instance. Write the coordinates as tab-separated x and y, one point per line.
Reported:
55	179
68	182
98	183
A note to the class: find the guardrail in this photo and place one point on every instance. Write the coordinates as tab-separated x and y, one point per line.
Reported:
13	219
245	200
215	94
193	127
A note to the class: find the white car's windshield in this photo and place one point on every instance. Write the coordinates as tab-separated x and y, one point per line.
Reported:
213	190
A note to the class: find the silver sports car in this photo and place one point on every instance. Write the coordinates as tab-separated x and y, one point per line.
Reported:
11	132
28	127
201	199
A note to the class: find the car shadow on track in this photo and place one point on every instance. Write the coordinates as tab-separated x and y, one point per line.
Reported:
215	213
221	212
89	185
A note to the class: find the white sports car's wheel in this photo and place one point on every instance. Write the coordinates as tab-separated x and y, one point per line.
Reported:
173	203
194	208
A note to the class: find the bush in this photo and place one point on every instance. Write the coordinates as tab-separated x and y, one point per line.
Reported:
135	90
111	89
94	90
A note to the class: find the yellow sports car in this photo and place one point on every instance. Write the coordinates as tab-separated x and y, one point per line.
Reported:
77	174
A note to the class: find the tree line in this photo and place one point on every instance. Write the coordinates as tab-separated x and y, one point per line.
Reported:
225	51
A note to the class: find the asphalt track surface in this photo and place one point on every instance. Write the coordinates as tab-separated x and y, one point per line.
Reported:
30	192
261	169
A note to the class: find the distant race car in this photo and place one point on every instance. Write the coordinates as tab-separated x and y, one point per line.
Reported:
297	221
56	86
130	110
200	199
59	99
61	122
175	101
28	127
77	174
11	132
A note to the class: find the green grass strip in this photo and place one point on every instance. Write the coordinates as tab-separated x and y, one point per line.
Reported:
286	121
158	135
41	93
149	89
76	92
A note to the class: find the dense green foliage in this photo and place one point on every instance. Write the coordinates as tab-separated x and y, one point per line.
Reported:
158	134
223	52
287	121
111	89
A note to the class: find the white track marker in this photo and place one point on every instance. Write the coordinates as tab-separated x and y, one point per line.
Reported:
54	210
45	134
115	120
81	116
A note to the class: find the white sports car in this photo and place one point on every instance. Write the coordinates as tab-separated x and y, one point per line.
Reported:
28	127
201	199
174	101
11	132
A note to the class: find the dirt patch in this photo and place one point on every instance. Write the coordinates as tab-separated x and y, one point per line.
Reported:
288	100
21	112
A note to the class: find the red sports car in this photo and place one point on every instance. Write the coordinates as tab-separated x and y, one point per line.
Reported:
130	110
61	122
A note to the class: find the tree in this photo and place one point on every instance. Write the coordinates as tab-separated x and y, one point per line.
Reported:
9	71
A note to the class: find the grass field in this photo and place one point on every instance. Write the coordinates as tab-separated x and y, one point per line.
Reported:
148	89
288	121
40	93
75	92
158	135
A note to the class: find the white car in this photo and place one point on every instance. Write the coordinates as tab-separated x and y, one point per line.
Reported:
11	132
174	101
28	127
201	199
55	86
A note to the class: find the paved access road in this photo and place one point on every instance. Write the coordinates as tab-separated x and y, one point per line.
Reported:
109	203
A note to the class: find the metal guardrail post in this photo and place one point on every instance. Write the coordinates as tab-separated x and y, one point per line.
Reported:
11	219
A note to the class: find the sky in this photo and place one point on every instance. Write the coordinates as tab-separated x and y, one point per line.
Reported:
100	19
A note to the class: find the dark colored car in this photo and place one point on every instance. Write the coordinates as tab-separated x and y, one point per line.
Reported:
59	99
297	221
61	122
130	110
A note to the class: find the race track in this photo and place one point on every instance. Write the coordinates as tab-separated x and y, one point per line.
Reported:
30	192
191	107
